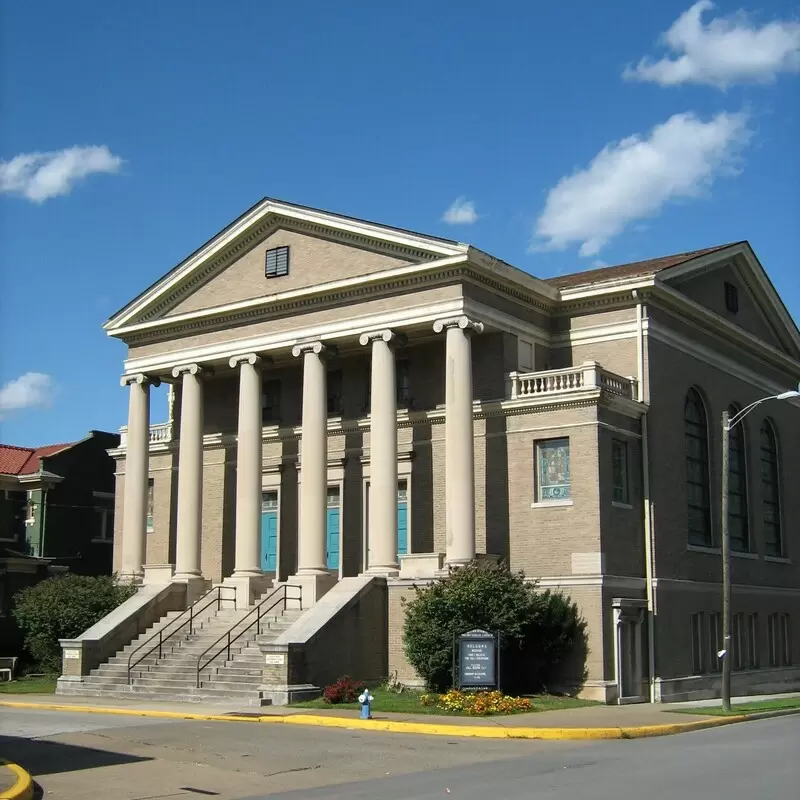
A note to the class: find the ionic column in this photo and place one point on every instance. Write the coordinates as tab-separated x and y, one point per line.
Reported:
459	439
190	473
247	562
311	544
134	519
382	557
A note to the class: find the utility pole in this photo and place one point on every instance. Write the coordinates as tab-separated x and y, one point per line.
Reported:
727	617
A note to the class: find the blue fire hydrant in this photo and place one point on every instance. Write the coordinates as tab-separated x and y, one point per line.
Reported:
365	698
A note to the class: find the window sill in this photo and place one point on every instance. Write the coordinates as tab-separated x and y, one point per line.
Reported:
625	506
778	559
697	548
150	530
102	541
750	556
552	504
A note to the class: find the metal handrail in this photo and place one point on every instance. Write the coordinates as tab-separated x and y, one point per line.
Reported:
259	611
192	611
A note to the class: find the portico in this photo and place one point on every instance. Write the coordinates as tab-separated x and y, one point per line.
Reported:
312	569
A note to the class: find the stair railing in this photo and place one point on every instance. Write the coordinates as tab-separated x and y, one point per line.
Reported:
213	597
277	597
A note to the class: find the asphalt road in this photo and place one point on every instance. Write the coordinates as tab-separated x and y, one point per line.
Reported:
75	756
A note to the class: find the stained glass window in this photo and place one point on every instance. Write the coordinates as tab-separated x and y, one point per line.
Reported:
619	469
553	479
773	538
695	429
150	489
737	490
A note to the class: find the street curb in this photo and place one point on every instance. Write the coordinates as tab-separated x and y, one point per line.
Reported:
424	728
23	788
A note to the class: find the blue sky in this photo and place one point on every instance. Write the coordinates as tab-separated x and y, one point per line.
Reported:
131	133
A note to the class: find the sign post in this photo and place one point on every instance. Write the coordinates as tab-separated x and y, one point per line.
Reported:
478	660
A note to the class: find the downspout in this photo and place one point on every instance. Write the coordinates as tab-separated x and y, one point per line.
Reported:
642	397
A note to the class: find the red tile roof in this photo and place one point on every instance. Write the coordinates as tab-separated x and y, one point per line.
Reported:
25	460
637	269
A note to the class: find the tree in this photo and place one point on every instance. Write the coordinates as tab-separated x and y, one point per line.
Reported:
537	629
63	608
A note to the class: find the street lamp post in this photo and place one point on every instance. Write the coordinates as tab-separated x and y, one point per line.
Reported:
728	423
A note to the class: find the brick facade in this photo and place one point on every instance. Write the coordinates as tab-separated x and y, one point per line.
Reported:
593	547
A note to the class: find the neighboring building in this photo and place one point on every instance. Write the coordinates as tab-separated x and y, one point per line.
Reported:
352	398
57	502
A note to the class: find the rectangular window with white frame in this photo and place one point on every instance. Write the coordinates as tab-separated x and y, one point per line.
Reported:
619	472
525	356
103	506
698	644
715	641
150	505
785	624
752	642
553	479
737	642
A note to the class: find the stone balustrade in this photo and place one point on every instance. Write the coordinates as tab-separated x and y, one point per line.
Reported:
589	376
160	433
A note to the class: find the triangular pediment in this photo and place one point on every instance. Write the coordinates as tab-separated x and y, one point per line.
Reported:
732	284
323	249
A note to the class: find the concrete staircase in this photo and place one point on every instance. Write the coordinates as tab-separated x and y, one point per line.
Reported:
172	675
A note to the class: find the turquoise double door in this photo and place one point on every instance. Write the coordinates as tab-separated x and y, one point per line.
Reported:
269	527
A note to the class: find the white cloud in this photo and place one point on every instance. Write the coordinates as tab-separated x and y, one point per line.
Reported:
635	177
726	51
462	212
41	176
31	390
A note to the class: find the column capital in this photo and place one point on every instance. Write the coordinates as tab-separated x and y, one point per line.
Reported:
463	322
248	358
140	378
191	369
318	347
386	335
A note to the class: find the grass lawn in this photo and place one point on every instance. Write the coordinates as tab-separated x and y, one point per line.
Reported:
45	684
745	708
409	703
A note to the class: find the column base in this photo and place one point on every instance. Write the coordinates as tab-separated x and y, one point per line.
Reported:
421	565
158	574
248	588
312	586
196	586
391	571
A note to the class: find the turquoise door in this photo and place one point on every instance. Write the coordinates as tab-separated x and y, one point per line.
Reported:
402	519
333	528
269	531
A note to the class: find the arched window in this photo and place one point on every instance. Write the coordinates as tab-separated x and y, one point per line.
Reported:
737	488
695	426
770	493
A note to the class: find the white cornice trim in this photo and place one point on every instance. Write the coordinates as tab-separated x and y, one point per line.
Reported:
505	322
218	244
667	336
745	253
352	327
721	328
595	334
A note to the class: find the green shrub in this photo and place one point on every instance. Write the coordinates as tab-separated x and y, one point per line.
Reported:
63	608
537	629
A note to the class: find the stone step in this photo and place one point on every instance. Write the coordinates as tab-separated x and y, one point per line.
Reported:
232	686
223	698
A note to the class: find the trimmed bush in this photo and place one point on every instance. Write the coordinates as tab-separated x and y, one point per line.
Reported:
345	690
63	608
538	629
